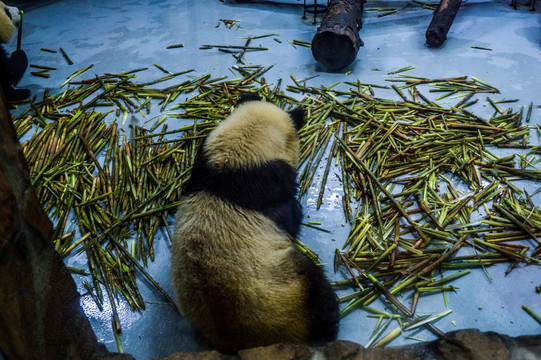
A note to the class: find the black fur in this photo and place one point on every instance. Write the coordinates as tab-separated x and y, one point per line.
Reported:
269	189
321	300
12	69
251	96
297	115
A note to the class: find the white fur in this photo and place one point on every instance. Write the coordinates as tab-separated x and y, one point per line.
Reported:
7	25
256	132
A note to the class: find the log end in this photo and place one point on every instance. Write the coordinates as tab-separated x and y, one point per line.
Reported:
333	50
435	38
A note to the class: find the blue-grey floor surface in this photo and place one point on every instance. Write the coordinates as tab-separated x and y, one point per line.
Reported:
119	36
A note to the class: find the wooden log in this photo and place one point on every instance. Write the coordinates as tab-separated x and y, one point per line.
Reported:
436	34
337	40
531	4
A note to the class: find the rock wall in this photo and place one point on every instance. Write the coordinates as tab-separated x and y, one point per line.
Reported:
458	345
40	315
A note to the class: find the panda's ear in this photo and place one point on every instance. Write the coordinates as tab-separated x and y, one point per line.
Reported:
252	96
297	115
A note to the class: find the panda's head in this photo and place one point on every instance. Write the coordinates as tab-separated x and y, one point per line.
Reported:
9	22
255	133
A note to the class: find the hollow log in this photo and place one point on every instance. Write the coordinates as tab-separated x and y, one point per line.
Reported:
436	34
337	40
40	315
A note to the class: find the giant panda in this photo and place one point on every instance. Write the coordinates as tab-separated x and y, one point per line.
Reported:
12	67
239	279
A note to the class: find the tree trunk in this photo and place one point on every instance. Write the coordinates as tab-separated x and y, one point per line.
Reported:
436	34
337	40
40	315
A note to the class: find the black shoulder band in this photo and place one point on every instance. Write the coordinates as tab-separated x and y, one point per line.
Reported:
269	189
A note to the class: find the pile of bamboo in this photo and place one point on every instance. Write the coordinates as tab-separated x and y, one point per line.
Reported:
420	181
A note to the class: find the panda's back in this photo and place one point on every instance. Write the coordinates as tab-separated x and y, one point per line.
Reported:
238	277
241	272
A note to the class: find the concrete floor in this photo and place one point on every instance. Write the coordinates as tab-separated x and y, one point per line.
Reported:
120	36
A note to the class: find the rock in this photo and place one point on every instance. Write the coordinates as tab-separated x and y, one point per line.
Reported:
341	350
204	355
277	352
474	344
470	344
464	344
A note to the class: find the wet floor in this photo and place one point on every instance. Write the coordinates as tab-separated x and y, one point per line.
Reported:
119	36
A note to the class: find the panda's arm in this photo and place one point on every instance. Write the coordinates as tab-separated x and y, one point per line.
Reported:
16	65
4	59
287	216
321	300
